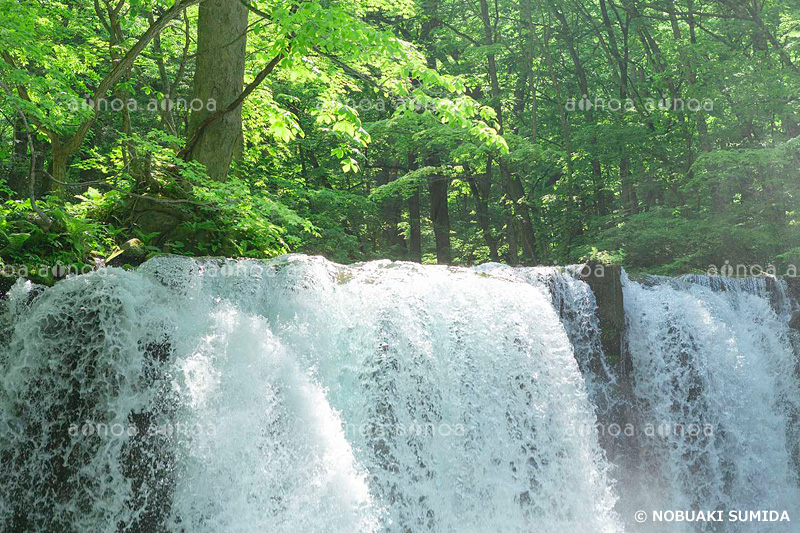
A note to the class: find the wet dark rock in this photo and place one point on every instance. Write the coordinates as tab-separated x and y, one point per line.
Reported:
793	284
35	292
793	293
82	377
606	283
794	323
6	282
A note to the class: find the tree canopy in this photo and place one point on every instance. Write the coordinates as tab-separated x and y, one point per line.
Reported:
661	134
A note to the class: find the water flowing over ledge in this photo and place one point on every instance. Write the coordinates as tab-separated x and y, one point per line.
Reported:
300	395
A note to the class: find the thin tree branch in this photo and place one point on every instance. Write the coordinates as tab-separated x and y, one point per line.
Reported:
44	221
74	143
255	10
186	152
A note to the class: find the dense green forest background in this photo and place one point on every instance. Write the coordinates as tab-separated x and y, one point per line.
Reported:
659	134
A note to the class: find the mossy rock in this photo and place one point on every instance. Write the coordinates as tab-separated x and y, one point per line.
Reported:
131	253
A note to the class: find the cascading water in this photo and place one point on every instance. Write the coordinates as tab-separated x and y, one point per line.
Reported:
295	395
714	421
299	395
576	306
715	376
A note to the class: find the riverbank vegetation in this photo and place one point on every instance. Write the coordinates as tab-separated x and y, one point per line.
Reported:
661	135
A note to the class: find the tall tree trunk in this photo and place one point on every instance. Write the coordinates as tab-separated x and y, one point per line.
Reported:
620	56
129	156
565	133
415	223
514	189
523	215
218	81
691	75
717	199
480	191
391	210
529	34
580	72
438	186
17	177
415	233
58	170
167	111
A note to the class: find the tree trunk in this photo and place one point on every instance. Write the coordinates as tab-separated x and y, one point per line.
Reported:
620	56
566	135
515	191
414	219
415	236
580	72
218	81
391	210
17	177
526	16
702	128
438	186
58	170
480	191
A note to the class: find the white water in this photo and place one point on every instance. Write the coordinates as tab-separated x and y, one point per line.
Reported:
298	395
304	396
715	352
575	304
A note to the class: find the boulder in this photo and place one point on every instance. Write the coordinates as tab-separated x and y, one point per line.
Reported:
131	253
793	283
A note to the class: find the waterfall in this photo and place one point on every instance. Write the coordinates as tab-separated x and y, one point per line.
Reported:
715	375
296	395
575	303
714	421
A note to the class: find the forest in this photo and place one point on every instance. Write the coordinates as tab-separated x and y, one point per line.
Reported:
399	266
661	135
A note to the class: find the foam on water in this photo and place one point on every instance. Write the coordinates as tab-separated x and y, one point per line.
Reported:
297	395
715	352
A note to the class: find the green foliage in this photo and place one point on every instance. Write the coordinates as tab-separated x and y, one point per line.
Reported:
373	103
669	243
74	240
